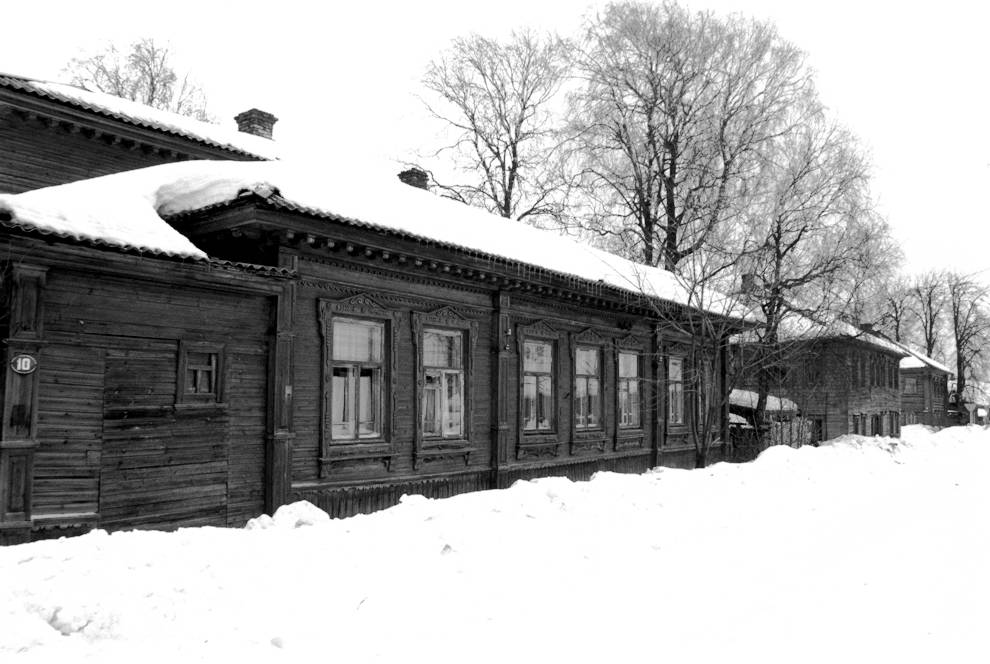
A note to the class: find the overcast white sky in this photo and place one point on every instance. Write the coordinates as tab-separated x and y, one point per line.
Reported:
909	78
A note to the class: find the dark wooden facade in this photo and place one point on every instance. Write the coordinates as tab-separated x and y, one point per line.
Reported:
171	393
924	396
840	384
164	392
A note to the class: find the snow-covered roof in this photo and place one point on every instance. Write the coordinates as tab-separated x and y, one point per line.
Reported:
127	210
145	116
918	360
795	326
748	399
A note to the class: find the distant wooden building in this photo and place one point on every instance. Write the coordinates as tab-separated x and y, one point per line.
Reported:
924	389
843	379
258	349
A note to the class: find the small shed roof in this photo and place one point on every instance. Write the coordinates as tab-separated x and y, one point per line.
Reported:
748	399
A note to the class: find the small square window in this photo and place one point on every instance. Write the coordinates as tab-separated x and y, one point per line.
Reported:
200	374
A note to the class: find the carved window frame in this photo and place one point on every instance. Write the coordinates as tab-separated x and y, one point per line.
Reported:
630	436
381	449
538	443
430	448
583	439
185	398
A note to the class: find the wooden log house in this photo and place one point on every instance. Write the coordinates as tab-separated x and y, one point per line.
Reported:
294	352
843	378
924	389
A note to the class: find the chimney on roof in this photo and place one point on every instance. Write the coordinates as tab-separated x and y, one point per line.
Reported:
256	122
865	327
415	177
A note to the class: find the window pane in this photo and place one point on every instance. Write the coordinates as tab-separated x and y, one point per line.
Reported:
431	404
369	402
529	402
453	422
581	402
675	394
544	411
442	349
594	404
538	356
675	369
357	340
342	404
586	362
628	365
629	403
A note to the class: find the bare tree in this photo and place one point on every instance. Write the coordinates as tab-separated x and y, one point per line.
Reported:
929	297
969	317
895	310
816	233
144	73
674	113
497	99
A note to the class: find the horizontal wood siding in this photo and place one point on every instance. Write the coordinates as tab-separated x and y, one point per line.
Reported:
115	438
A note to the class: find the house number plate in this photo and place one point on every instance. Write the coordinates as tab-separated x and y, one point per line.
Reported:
23	364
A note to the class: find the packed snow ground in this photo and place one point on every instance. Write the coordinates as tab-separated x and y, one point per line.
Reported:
862	550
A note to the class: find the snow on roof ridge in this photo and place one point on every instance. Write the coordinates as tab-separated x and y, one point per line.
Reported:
127	209
148	117
917	360
802	326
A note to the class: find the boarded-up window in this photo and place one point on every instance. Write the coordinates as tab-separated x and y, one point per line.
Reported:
200	374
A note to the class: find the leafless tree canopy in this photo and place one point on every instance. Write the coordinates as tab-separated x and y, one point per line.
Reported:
929	296
497	100
672	120
969	318
143	73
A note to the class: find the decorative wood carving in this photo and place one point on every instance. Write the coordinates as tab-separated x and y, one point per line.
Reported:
381	449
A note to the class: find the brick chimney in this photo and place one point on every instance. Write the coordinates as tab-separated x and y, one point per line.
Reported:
256	122
415	177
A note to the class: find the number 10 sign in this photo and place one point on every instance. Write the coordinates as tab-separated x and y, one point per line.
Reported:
23	364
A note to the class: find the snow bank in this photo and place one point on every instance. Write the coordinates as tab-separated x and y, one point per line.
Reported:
862	549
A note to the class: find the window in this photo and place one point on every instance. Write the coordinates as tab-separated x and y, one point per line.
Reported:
705	387
538	398
356	387
587	388
630	408
200	372
675	390
911	385
443	384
